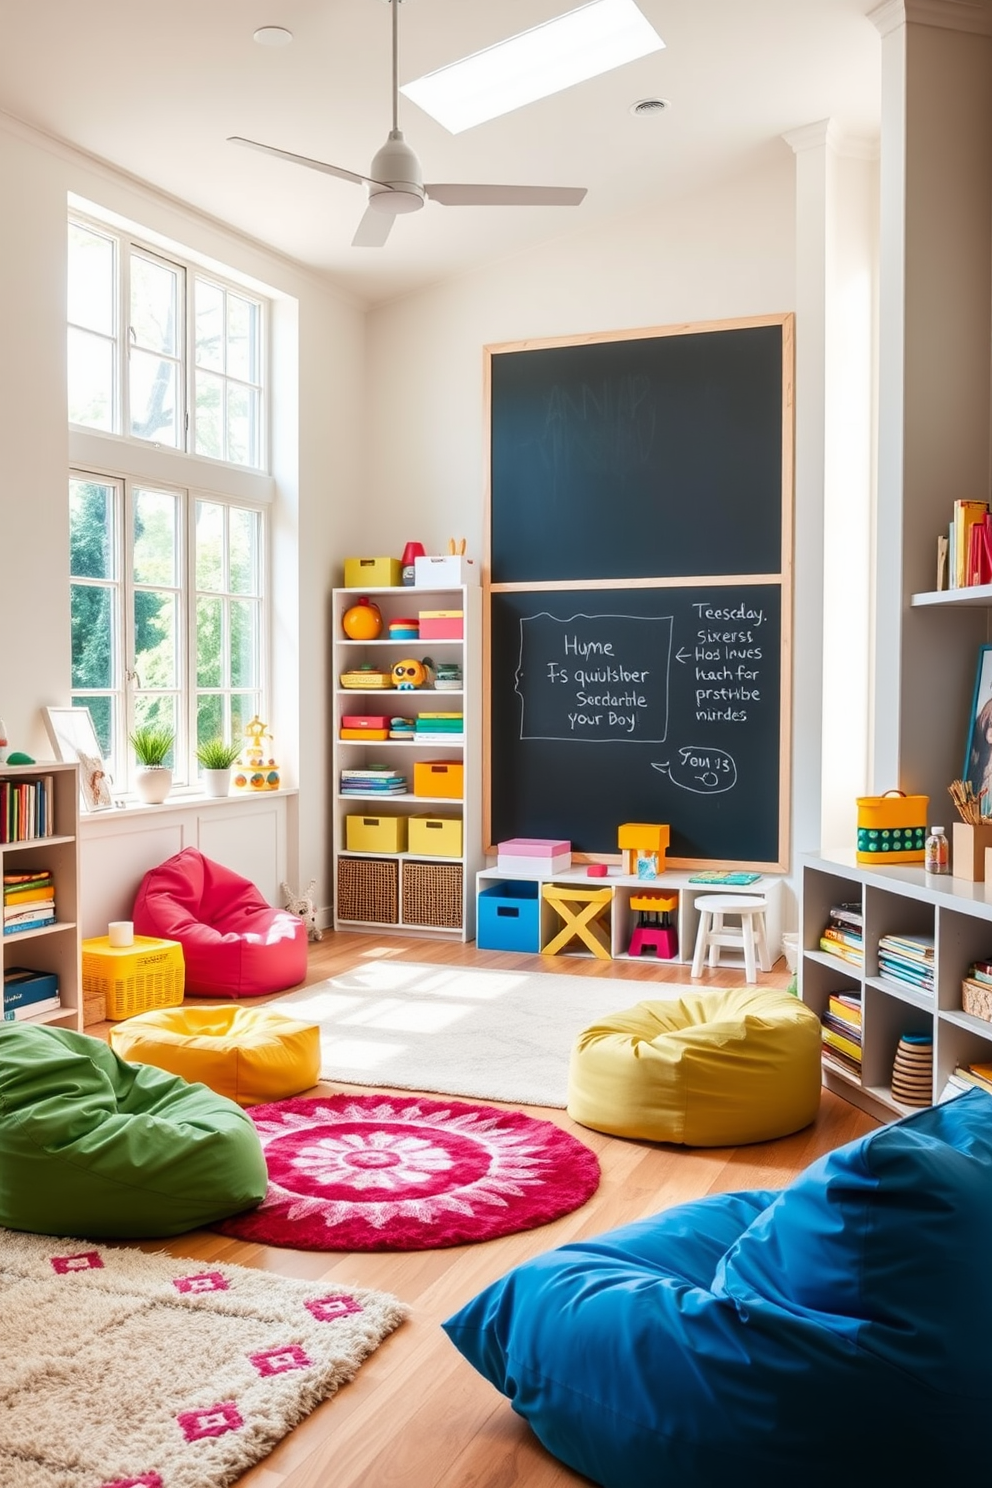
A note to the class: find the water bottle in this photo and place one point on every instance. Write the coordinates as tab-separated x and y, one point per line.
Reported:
936	853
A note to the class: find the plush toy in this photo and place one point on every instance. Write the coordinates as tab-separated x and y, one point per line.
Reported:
410	673
303	905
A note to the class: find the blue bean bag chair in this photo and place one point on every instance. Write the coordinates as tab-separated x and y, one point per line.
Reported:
837	1332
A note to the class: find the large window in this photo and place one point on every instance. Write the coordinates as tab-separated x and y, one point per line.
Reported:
167	624
160	350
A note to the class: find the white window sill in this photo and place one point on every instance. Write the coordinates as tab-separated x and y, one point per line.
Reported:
129	808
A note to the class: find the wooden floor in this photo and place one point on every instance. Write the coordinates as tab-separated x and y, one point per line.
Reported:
417	1415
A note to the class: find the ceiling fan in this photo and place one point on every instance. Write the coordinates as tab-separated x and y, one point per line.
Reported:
395	182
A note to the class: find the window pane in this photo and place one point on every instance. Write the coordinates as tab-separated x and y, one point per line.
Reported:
156	547
155	305
91	280
209	545
90	380
244	540
155	648
101	711
209	717
241	425
242	338
92	627
209	326
244	643
209	643
154	399
244	706
91	530
209	420
160	711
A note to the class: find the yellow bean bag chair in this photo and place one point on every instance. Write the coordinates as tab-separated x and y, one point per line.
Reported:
250	1055
710	1069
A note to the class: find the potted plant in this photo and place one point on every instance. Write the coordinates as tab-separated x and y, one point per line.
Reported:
216	758
152	743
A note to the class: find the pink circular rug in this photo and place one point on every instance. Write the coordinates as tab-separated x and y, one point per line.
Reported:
375	1172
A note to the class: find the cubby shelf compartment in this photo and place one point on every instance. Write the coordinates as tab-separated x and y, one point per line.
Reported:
898	899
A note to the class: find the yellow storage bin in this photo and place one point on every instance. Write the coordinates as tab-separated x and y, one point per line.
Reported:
375	833
372	573
133	979
438	778
436	836
892	828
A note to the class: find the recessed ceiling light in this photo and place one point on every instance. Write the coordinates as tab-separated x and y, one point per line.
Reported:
273	36
581	44
645	106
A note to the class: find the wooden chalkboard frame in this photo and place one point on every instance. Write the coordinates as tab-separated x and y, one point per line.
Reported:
783	577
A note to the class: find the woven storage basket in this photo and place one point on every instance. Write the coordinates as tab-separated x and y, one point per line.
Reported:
977	1001
432	895
368	890
140	978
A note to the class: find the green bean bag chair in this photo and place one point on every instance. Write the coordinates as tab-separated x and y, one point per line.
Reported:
92	1146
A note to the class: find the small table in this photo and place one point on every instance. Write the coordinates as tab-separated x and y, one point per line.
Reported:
580	909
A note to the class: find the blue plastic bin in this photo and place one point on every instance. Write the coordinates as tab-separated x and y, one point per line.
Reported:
509	917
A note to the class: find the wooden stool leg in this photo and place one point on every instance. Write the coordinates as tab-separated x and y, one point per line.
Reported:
702	937
761	940
747	934
716	928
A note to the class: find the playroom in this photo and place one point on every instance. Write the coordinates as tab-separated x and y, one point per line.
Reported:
486	1001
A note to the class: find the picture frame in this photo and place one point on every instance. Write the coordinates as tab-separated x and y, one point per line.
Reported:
977	770
73	738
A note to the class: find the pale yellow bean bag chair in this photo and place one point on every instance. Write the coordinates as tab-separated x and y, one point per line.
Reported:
710	1069
248	1054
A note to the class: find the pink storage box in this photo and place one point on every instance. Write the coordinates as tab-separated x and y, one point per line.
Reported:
442	625
543	856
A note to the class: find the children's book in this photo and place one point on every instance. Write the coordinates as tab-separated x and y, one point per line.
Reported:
721	876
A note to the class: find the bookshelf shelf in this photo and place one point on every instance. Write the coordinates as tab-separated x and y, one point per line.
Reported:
50	948
896	900
977	596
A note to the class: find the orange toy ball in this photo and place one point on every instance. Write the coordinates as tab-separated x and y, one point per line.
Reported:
363	622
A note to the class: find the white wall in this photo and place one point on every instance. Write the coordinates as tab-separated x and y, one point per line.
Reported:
317	449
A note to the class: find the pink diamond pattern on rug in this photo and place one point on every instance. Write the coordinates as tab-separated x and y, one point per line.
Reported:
210	1420
326	1309
88	1260
207	1281
147	1480
278	1360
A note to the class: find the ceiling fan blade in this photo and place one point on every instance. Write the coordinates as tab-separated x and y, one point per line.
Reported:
505	196
373	230
319	165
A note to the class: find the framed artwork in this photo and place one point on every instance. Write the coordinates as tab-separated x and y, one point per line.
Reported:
74	738
978	750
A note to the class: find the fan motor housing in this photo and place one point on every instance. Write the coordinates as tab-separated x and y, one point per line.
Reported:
397	168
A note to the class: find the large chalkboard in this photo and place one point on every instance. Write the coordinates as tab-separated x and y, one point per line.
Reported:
638	605
619	705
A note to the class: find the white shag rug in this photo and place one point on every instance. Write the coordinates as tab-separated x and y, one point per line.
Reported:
490	1035
127	1370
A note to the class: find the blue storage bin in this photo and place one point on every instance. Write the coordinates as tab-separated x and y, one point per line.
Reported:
509	917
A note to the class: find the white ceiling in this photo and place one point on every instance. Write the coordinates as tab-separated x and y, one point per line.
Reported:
156	88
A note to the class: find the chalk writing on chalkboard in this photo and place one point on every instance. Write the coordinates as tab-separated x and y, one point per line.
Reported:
599	678
705	771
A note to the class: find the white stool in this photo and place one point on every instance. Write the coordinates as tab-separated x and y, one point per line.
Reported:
748	937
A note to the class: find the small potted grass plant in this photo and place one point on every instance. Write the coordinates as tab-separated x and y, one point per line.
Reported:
216	759
152	744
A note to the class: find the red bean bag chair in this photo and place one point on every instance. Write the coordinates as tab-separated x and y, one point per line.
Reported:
235	944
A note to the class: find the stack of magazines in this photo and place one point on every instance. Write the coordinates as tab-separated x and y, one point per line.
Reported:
907	959
376	781
841	1030
843	935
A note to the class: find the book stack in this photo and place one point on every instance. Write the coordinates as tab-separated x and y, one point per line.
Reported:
976	990
440	728
843	935
28	901
27	809
908	960
402	728
376	781
965	1077
27	993
912	1071
841	1030
969	545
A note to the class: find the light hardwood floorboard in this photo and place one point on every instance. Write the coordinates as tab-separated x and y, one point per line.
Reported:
417	1415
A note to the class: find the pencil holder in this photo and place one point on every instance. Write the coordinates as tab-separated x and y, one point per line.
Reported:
968	845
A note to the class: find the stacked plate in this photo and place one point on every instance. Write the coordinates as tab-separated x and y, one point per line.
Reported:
912	1072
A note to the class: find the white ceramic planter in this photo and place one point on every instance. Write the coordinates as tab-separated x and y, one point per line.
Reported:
153	783
216	782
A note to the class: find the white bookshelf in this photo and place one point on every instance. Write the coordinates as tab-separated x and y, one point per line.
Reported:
51	948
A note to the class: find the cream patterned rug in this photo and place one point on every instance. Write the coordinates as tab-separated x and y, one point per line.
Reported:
488	1035
127	1370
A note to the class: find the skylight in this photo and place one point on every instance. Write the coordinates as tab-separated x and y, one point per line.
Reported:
534	64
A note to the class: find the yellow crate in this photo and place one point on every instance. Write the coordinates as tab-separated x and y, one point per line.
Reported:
435	836
372	573
438	778
136	978
375	833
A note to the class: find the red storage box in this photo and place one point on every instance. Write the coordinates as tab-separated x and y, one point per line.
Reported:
365	721
442	625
